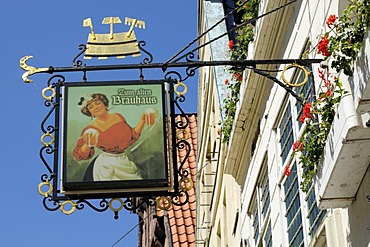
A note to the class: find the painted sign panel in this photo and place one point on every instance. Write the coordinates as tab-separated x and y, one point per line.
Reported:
114	138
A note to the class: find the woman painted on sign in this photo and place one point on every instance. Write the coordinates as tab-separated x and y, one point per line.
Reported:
113	135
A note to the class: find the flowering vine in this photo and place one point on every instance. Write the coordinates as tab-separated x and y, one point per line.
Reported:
318	116
343	42
238	51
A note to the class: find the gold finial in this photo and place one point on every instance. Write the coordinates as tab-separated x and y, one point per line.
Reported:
88	23
133	23
29	69
111	21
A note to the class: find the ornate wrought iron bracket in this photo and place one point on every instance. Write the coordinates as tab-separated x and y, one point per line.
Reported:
48	188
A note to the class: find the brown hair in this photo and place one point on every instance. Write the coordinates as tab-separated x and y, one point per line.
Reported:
95	96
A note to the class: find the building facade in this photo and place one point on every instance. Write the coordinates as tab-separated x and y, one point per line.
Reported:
249	189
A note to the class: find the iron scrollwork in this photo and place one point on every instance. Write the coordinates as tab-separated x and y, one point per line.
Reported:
78	63
53	199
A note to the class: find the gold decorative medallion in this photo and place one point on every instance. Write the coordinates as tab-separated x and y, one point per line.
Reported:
46	193
45	96
182	131
122	204
183	85
186	184
46	143
163	203
63	204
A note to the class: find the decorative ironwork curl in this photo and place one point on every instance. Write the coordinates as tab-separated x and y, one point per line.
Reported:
177	199
133	203
183	145
60	80
145	60
180	124
181	99
151	202
48	103
49	128
55	204
45	177
51	102
190	56
177	75
48	150
103	205
78	63
129	204
190	72
183	173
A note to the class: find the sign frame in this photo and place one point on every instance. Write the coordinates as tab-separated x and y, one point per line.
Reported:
147	186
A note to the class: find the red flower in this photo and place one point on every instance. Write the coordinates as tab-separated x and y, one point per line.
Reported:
329	93
321	73
327	83
306	112
287	170
302	118
226	82
307	108
322	46
301	146
231	44
219	131
331	20
297	145
237	77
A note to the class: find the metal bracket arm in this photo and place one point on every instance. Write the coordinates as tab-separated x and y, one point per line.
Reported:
190	64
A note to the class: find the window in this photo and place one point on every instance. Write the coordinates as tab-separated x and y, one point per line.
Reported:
255	225
265	193
314	214
286	133
267	239
293	209
260	217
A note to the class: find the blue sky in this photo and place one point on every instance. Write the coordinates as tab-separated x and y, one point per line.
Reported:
51	31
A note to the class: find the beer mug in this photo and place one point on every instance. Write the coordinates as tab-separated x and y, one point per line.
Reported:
150	116
92	136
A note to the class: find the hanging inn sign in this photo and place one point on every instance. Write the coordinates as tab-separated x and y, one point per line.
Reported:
116	142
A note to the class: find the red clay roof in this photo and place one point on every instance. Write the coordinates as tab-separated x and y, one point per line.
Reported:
182	218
